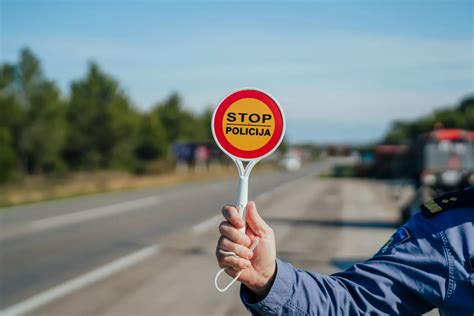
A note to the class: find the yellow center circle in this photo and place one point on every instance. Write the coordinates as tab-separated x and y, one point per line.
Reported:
248	124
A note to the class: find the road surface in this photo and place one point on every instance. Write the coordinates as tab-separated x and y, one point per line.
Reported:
48	245
151	252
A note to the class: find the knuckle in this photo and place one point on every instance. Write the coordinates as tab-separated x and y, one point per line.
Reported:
242	263
240	240
235	262
245	240
226	244
218	255
230	232
238	264
236	219
240	250
227	210
222	228
220	243
227	260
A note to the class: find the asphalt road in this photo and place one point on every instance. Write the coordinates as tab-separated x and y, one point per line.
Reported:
46	244
321	225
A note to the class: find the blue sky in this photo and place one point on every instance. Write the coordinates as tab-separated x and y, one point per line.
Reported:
341	70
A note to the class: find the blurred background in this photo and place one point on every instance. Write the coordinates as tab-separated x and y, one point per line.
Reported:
111	184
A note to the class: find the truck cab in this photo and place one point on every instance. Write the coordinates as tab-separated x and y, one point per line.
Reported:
446	161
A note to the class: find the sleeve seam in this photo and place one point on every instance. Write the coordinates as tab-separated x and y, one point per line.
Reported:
449	260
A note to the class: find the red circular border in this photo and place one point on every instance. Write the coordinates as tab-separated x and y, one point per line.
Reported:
219	117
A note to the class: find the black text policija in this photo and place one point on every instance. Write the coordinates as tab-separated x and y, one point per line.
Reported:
248	124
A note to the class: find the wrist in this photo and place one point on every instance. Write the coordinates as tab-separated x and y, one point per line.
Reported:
264	284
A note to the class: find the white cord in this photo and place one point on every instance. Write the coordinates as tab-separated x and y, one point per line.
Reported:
231	253
228	285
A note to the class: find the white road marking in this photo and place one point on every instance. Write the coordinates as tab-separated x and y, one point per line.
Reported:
264	197
82	281
208	223
261	198
93	213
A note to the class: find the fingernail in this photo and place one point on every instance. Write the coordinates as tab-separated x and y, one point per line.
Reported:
249	254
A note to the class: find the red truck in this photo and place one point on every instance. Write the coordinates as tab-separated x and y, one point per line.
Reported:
445	160
439	161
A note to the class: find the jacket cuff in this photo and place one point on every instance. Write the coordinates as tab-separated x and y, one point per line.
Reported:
277	296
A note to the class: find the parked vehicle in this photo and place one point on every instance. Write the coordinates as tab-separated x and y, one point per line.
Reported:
445	162
388	158
440	161
291	162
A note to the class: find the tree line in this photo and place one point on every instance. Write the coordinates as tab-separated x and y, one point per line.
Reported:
95	127
98	127
457	116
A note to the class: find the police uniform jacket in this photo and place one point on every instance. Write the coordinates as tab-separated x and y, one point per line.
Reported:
427	263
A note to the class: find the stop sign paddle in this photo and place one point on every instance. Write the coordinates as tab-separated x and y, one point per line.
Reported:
248	125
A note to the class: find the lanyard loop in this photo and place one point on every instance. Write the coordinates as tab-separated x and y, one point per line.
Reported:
231	253
222	290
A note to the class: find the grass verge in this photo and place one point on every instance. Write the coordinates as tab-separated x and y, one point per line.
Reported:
40	188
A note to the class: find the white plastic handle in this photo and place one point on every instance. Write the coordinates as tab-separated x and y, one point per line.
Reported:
241	204
242	199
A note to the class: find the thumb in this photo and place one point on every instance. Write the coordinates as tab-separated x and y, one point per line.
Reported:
255	221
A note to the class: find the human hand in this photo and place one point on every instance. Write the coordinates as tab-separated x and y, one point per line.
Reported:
257	266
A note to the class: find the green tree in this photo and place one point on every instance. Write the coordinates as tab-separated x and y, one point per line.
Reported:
205	121
33	114
151	138
468	114
45	129
170	113
44	132
461	116
467	104
103	123
12	112
190	128
7	156
180	124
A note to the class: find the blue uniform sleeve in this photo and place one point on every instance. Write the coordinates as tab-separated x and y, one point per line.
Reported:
408	276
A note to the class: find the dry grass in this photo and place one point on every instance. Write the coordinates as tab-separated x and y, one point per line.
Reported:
40	188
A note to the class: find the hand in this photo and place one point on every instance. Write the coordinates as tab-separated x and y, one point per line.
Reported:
258	266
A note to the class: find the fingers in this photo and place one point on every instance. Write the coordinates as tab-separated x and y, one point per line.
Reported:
230	271
255	221
233	262
241	251
231	214
249	232
235	235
